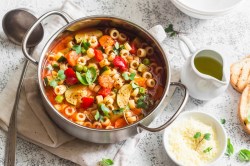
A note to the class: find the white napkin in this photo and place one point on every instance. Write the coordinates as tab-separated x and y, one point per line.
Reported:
34	125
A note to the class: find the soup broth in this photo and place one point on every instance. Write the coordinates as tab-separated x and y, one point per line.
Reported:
103	78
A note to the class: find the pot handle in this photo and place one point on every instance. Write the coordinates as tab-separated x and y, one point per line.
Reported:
25	40
179	110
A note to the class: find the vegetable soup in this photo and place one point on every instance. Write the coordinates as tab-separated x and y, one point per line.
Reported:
103	78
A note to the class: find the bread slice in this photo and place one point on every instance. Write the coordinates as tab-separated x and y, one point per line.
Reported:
240	74
244	109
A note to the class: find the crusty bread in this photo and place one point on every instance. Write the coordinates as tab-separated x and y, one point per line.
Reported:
244	108
240	74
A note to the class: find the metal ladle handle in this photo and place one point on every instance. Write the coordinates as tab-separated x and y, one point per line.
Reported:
32	28
185	99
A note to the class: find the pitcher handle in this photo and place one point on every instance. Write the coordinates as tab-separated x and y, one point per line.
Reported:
186	46
25	40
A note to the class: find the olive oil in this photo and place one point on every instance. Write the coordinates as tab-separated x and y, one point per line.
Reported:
209	66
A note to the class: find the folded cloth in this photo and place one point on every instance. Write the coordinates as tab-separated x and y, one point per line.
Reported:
34	125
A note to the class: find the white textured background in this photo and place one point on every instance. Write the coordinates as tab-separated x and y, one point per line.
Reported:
231	33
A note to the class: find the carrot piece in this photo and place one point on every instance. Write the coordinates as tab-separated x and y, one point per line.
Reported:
141	81
72	57
121	122
137	111
106	41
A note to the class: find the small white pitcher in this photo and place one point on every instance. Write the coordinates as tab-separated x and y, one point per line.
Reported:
202	86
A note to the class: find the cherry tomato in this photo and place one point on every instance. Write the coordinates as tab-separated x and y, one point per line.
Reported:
98	55
120	63
133	48
71	78
87	102
104	92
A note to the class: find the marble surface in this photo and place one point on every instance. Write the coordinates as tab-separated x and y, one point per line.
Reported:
230	33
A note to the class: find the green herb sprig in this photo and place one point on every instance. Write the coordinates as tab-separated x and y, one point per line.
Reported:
222	121
171	31
197	135
230	148
207	150
244	155
106	162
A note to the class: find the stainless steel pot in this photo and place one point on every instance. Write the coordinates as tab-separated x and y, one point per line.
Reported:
97	135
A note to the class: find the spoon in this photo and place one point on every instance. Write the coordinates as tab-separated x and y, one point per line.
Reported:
15	25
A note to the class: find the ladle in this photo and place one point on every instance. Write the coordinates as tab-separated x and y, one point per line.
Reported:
15	25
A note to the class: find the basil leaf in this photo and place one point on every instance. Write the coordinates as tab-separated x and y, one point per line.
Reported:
61	75
118	111
207	150
105	110
97	115
125	76
106	162
77	48
244	155
141	103
197	135
81	78
134	85
222	121
91	75
53	83
207	136
230	148
86	45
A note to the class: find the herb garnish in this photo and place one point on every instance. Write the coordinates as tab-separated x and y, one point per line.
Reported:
117	48
207	150
87	78
244	155
82	47
197	135
60	77
118	111
230	148
128	77
171	32
222	121
105	110
106	162
141	103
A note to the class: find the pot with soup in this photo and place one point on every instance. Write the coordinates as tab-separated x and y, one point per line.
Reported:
103	78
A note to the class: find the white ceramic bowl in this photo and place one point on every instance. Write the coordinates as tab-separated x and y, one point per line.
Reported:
206	118
206	9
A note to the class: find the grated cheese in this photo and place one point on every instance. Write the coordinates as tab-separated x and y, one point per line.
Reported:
184	147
